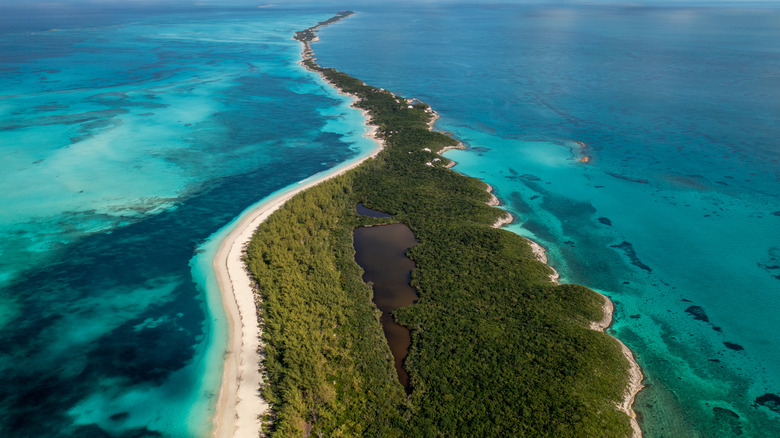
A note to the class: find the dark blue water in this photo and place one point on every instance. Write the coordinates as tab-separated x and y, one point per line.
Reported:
669	204
127	140
129	137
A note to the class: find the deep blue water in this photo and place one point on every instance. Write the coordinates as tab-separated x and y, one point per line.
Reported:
128	138
676	215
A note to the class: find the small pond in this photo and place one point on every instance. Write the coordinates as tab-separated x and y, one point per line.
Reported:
381	252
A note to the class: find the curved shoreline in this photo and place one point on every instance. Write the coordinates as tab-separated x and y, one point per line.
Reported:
635	375
239	406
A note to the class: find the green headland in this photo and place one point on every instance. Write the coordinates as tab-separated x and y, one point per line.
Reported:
497	348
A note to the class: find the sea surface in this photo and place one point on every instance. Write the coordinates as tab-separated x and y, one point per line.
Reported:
128	138
670	204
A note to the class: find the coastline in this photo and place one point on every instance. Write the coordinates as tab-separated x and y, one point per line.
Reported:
541	255
635	375
240	407
452	163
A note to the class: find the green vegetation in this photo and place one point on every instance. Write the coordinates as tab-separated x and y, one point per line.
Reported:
497	349
307	35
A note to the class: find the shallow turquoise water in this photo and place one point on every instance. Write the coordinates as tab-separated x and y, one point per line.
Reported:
675	216
128	140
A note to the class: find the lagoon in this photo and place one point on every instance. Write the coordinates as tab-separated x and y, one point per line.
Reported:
381	252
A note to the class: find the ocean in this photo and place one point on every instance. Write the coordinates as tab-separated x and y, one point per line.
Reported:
128	140
637	144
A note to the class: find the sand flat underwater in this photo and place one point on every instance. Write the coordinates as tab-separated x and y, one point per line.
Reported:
127	141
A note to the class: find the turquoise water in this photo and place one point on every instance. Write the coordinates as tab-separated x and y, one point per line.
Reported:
676	216
128	140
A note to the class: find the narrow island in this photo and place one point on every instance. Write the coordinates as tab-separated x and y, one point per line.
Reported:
498	347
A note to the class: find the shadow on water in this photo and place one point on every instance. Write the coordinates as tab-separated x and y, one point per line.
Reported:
381	252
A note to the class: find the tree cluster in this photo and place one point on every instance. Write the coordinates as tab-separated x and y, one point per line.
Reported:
497	348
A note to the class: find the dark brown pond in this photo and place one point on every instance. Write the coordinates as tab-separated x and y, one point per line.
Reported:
365	211
381	252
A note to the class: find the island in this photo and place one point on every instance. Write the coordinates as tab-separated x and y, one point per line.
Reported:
498	347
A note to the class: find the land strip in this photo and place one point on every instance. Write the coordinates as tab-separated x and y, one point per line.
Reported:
240	407
497	348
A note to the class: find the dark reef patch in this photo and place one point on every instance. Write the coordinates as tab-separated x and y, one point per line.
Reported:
728	421
605	221
539	229
121	416
698	313
628	178
771	401
52	107
518	203
67	119
733	346
772	263
696	182
95	431
146	353
628	250
725	412
776	213
530	177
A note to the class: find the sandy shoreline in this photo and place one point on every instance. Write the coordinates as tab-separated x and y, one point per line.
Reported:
240	407
541	255
635	372
452	163
635	376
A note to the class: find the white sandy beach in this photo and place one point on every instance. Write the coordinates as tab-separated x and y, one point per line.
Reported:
635	376
541	255
240	408
635	372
